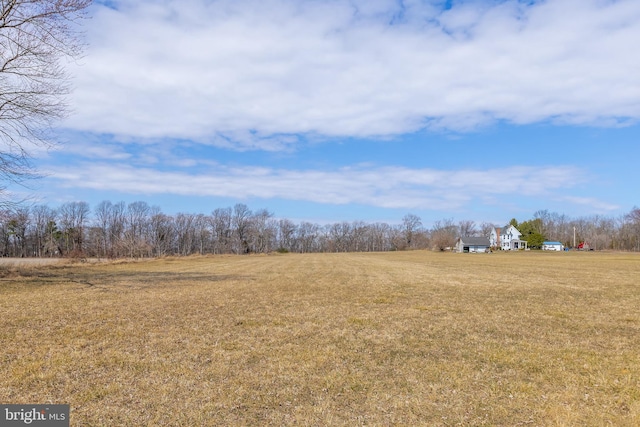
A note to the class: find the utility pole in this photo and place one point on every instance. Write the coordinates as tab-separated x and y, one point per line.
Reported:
574	237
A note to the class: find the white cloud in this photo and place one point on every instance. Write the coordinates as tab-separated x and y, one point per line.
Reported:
93	149
592	204
249	74
388	187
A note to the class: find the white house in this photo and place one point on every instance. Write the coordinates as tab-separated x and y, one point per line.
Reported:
472	244
510	239
552	246
494	237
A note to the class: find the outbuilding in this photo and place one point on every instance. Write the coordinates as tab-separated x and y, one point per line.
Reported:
472	244
552	246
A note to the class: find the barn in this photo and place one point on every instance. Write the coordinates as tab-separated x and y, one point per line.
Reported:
472	245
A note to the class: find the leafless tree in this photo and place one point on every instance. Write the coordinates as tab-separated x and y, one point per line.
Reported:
117	227
14	231
444	234
600	232
486	228
203	234
162	232
286	234
192	233
184	233
360	236
379	237
137	220
221	226
340	237
35	36
42	216
307	237
5	234
633	219
242	223
262	231
410	225
467	228
545	221
103	212
73	218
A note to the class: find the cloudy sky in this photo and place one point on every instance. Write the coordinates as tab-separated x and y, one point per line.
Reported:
330	110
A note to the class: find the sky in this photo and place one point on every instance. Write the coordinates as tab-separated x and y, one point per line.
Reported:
344	110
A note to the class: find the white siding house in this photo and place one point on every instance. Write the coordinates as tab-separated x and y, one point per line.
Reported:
510	239
552	246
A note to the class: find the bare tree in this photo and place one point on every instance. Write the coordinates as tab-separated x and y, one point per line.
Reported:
17	223
486	228
193	234
42	216
242	223
73	218
410	224
5	234
340	236
633	219
467	228
203	234
185	229
35	35
307	237
379	237
162	231
221	225
359	232
546	221
286	233
262	231
444	234
102	216
137	221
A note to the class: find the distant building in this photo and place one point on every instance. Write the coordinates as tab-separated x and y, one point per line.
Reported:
552	246
510	239
472	245
584	246
494	237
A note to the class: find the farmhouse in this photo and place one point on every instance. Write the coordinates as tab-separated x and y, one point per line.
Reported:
472	244
552	246
510	239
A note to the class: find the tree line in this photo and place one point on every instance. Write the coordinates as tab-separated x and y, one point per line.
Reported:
115	230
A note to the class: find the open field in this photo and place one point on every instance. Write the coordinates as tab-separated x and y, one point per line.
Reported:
21	262
410	338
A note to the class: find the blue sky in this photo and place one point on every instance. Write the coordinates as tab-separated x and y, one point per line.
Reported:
331	110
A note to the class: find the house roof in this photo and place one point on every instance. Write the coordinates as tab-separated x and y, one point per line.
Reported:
475	241
507	228
551	243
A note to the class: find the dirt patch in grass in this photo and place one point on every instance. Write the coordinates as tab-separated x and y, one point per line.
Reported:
414	338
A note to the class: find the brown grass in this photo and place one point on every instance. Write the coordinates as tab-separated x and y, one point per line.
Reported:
413	338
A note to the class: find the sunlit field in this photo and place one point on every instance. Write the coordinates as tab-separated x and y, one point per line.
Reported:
408	338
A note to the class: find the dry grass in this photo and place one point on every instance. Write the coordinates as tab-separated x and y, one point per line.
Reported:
414	338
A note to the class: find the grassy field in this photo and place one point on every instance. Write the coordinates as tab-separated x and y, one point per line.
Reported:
410	338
